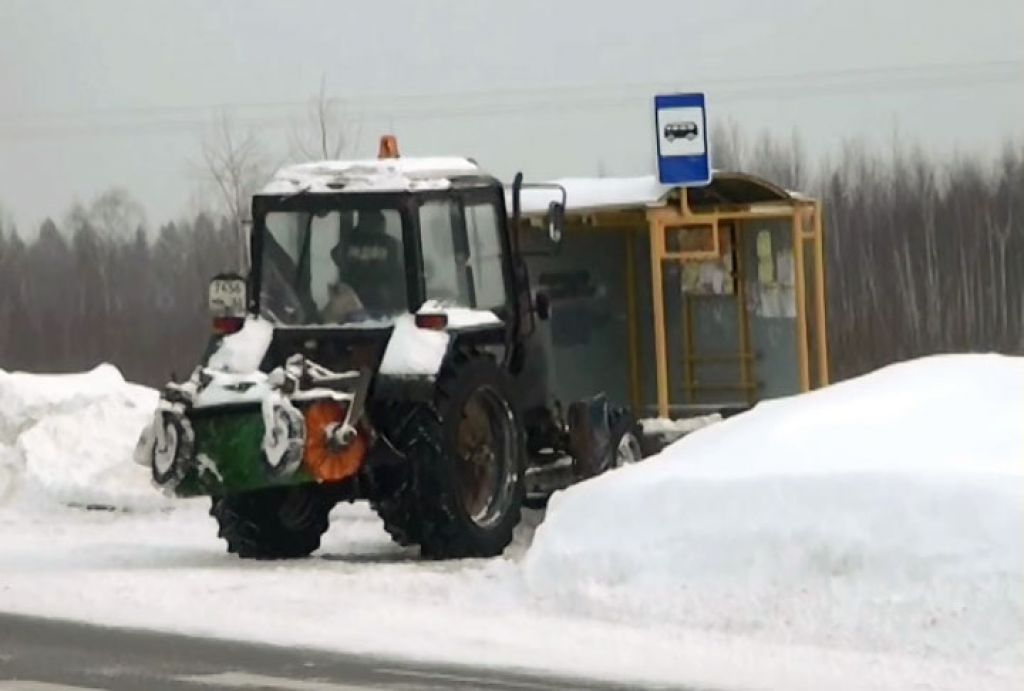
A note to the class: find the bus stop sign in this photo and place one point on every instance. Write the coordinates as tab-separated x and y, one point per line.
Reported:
682	140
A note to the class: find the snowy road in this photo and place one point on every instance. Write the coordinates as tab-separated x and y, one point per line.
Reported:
60	656
360	595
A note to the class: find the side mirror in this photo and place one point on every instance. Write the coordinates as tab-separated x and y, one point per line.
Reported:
227	302
555	221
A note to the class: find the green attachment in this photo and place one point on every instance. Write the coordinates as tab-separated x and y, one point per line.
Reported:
229	456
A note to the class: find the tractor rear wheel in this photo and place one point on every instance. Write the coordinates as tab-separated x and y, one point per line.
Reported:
464	483
275	523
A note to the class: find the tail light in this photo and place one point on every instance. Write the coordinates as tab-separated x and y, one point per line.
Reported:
222	326
434	322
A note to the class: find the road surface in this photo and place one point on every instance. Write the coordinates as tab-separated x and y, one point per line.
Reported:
50	655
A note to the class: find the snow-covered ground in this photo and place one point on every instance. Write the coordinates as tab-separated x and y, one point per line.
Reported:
867	536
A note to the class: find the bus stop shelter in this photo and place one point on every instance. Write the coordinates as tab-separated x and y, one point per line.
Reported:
682	300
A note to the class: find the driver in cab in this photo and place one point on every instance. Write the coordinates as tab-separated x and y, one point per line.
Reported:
371	271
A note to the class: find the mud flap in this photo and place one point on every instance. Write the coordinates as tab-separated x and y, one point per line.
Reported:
590	435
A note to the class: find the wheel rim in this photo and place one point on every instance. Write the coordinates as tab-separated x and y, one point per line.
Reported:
487	449
165	449
628	451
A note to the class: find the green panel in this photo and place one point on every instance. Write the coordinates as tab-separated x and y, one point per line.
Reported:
233	443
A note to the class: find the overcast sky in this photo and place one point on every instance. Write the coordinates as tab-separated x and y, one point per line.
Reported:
102	93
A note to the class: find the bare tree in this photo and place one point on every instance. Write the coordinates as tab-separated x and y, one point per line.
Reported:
236	162
727	146
115	215
326	133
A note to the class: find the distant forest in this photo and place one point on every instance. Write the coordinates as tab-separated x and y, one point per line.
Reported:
923	256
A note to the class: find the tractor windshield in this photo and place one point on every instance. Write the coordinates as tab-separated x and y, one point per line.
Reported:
332	267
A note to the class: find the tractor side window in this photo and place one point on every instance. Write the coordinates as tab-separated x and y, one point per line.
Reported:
445	256
485	256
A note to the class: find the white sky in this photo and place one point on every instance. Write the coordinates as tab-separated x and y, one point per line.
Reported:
101	93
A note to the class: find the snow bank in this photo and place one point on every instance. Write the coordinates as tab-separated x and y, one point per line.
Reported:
25	398
69	437
885	513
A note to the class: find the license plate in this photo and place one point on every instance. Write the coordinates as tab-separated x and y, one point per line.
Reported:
227	296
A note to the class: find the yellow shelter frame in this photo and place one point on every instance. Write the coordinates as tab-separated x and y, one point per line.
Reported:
694	225
805	217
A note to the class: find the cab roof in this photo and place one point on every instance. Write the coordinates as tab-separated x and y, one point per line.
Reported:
372	175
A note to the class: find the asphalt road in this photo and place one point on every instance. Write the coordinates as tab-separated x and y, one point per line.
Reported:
50	655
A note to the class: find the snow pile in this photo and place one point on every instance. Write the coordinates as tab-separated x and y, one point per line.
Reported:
885	513
71	437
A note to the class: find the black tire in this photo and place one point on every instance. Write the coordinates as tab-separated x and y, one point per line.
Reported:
275	523
430	507
625	432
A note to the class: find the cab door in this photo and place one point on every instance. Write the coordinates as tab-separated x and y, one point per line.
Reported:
465	252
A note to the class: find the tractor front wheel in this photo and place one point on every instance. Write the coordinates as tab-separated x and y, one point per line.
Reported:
275	523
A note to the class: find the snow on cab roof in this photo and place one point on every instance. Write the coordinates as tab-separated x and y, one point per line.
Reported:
371	175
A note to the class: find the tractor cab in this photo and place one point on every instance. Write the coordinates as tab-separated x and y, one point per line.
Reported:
340	249
363	241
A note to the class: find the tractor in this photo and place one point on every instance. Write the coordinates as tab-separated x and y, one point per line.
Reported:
382	347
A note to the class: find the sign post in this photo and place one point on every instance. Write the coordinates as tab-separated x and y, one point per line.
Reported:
682	140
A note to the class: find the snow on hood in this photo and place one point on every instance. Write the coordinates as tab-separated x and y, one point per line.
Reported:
242	352
412	351
882	513
70	438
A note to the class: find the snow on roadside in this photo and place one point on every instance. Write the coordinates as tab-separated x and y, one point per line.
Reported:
797	546
69	438
362	594
885	513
